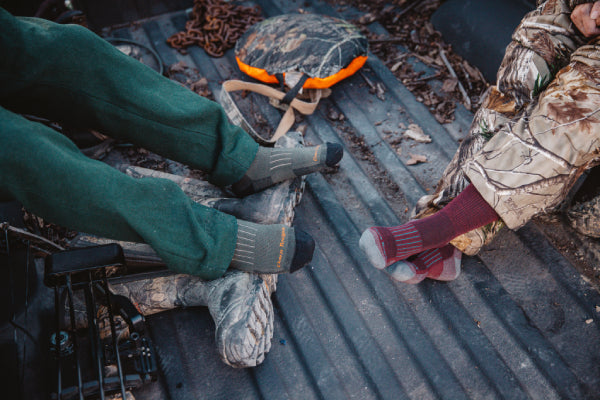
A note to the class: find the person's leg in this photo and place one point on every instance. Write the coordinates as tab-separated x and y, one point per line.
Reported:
541	45
530	165
48	174
68	74
386	245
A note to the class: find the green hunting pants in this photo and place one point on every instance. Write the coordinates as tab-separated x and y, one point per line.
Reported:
68	74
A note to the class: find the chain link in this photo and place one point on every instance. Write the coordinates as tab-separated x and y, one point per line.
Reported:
215	26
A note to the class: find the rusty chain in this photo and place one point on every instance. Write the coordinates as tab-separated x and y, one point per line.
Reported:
215	26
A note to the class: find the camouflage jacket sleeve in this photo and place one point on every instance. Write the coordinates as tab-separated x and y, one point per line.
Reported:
573	3
540	46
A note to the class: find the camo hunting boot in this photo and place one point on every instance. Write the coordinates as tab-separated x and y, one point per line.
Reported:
239	303
241	306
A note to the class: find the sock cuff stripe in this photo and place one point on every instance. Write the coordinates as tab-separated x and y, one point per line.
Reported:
408	227
407	236
432	256
246	225
381	241
242	261
279	158
244	251
430	251
279	163
405	241
279	166
433	261
410	246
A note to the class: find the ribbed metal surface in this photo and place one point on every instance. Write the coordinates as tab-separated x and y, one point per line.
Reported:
512	326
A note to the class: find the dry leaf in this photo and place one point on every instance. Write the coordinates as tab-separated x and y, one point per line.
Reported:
333	115
178	67
449	85
416	159
415	133
380	91
367	19
396	66
426	59
429	28
201	87
472	71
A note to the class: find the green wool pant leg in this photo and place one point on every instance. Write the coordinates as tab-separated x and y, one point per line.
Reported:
46	172
68	74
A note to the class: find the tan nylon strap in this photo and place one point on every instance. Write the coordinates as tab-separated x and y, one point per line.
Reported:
288	118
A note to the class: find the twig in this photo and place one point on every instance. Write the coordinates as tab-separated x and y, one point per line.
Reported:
378	88
392	40
371	85
453	73
407	9
425	78
467	76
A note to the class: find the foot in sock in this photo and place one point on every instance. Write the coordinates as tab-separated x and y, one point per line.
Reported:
273	165
450	266
441	264
271	249
387	245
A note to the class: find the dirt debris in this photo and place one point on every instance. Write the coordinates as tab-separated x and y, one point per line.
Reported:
190	77
408	24
416	159
415	133
362	151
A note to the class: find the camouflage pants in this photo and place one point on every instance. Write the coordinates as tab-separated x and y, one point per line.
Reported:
535	133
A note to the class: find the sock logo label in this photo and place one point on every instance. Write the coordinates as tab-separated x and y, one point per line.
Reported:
281	243
315	156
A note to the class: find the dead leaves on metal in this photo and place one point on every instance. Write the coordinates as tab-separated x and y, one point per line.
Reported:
407	22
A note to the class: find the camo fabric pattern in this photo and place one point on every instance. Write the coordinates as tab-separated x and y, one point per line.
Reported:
536	130
239	302
316	45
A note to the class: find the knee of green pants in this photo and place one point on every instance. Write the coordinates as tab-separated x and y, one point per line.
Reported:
67	73
44	170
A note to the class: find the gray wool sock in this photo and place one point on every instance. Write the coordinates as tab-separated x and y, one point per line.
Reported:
273	165
263	248
271	249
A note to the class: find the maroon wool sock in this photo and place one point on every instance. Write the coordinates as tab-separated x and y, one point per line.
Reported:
441	264
466	212
448	269
386	245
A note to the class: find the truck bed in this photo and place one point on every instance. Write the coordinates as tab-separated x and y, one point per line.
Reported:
520	322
